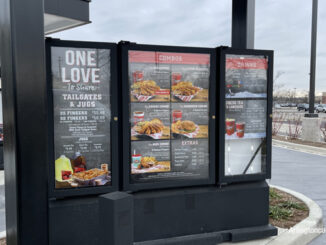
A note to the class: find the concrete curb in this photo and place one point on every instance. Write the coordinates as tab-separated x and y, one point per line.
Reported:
298	147
2	177
305	231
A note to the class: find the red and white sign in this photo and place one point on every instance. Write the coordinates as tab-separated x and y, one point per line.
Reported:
246	63
168	58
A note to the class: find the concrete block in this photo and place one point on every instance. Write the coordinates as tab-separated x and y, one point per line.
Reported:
311	129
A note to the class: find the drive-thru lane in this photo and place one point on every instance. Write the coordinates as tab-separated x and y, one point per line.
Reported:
302	172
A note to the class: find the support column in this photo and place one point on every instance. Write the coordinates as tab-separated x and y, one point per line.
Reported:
25	121
243	24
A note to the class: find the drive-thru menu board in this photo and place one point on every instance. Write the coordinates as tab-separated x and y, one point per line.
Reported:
81	105
169	115
245	113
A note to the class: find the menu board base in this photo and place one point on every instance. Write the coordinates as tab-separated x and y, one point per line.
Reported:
205	206
172	209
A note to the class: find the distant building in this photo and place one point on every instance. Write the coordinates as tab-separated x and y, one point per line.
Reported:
323	98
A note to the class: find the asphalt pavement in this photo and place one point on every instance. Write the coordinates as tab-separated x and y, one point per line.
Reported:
304	173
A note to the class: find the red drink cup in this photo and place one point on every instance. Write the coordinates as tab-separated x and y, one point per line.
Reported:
137	76
138	116
136	160
176	115
230	126
240	126
176	77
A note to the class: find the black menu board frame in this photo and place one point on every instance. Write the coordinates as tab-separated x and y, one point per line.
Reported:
114	129
222	53
128	185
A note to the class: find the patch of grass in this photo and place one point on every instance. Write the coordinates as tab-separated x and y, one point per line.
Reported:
285	210
279	213
292	205
273	194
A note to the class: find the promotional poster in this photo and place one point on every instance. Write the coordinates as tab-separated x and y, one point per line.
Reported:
81	105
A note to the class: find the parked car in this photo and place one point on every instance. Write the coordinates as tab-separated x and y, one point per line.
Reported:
277	106
303	107
321	108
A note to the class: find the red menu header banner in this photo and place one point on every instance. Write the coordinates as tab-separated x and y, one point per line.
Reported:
246	63
168	58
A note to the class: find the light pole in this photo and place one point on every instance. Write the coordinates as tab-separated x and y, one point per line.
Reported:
313	60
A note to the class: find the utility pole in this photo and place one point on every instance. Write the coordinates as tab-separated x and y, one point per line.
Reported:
313	60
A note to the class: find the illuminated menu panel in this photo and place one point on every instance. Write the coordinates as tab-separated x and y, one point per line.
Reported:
169	115
81	105
245	114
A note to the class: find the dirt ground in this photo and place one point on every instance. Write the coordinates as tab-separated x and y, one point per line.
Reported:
298	215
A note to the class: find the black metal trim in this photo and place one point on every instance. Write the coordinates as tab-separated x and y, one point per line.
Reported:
127	186
53	192
221	58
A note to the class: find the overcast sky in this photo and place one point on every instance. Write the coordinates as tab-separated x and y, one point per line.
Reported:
283	26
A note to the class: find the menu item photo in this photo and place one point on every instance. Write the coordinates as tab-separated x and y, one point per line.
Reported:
185	91
246	76
149	81
91	177
150	157
150	121
189	120
144	90
245	119
190	83
161	76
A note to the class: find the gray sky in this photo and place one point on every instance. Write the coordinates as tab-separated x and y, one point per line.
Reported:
283	26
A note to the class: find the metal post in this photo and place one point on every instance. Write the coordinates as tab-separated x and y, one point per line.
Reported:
25	121
243	24
313	59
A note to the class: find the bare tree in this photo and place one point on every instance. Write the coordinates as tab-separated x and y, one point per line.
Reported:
278	121
278	86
